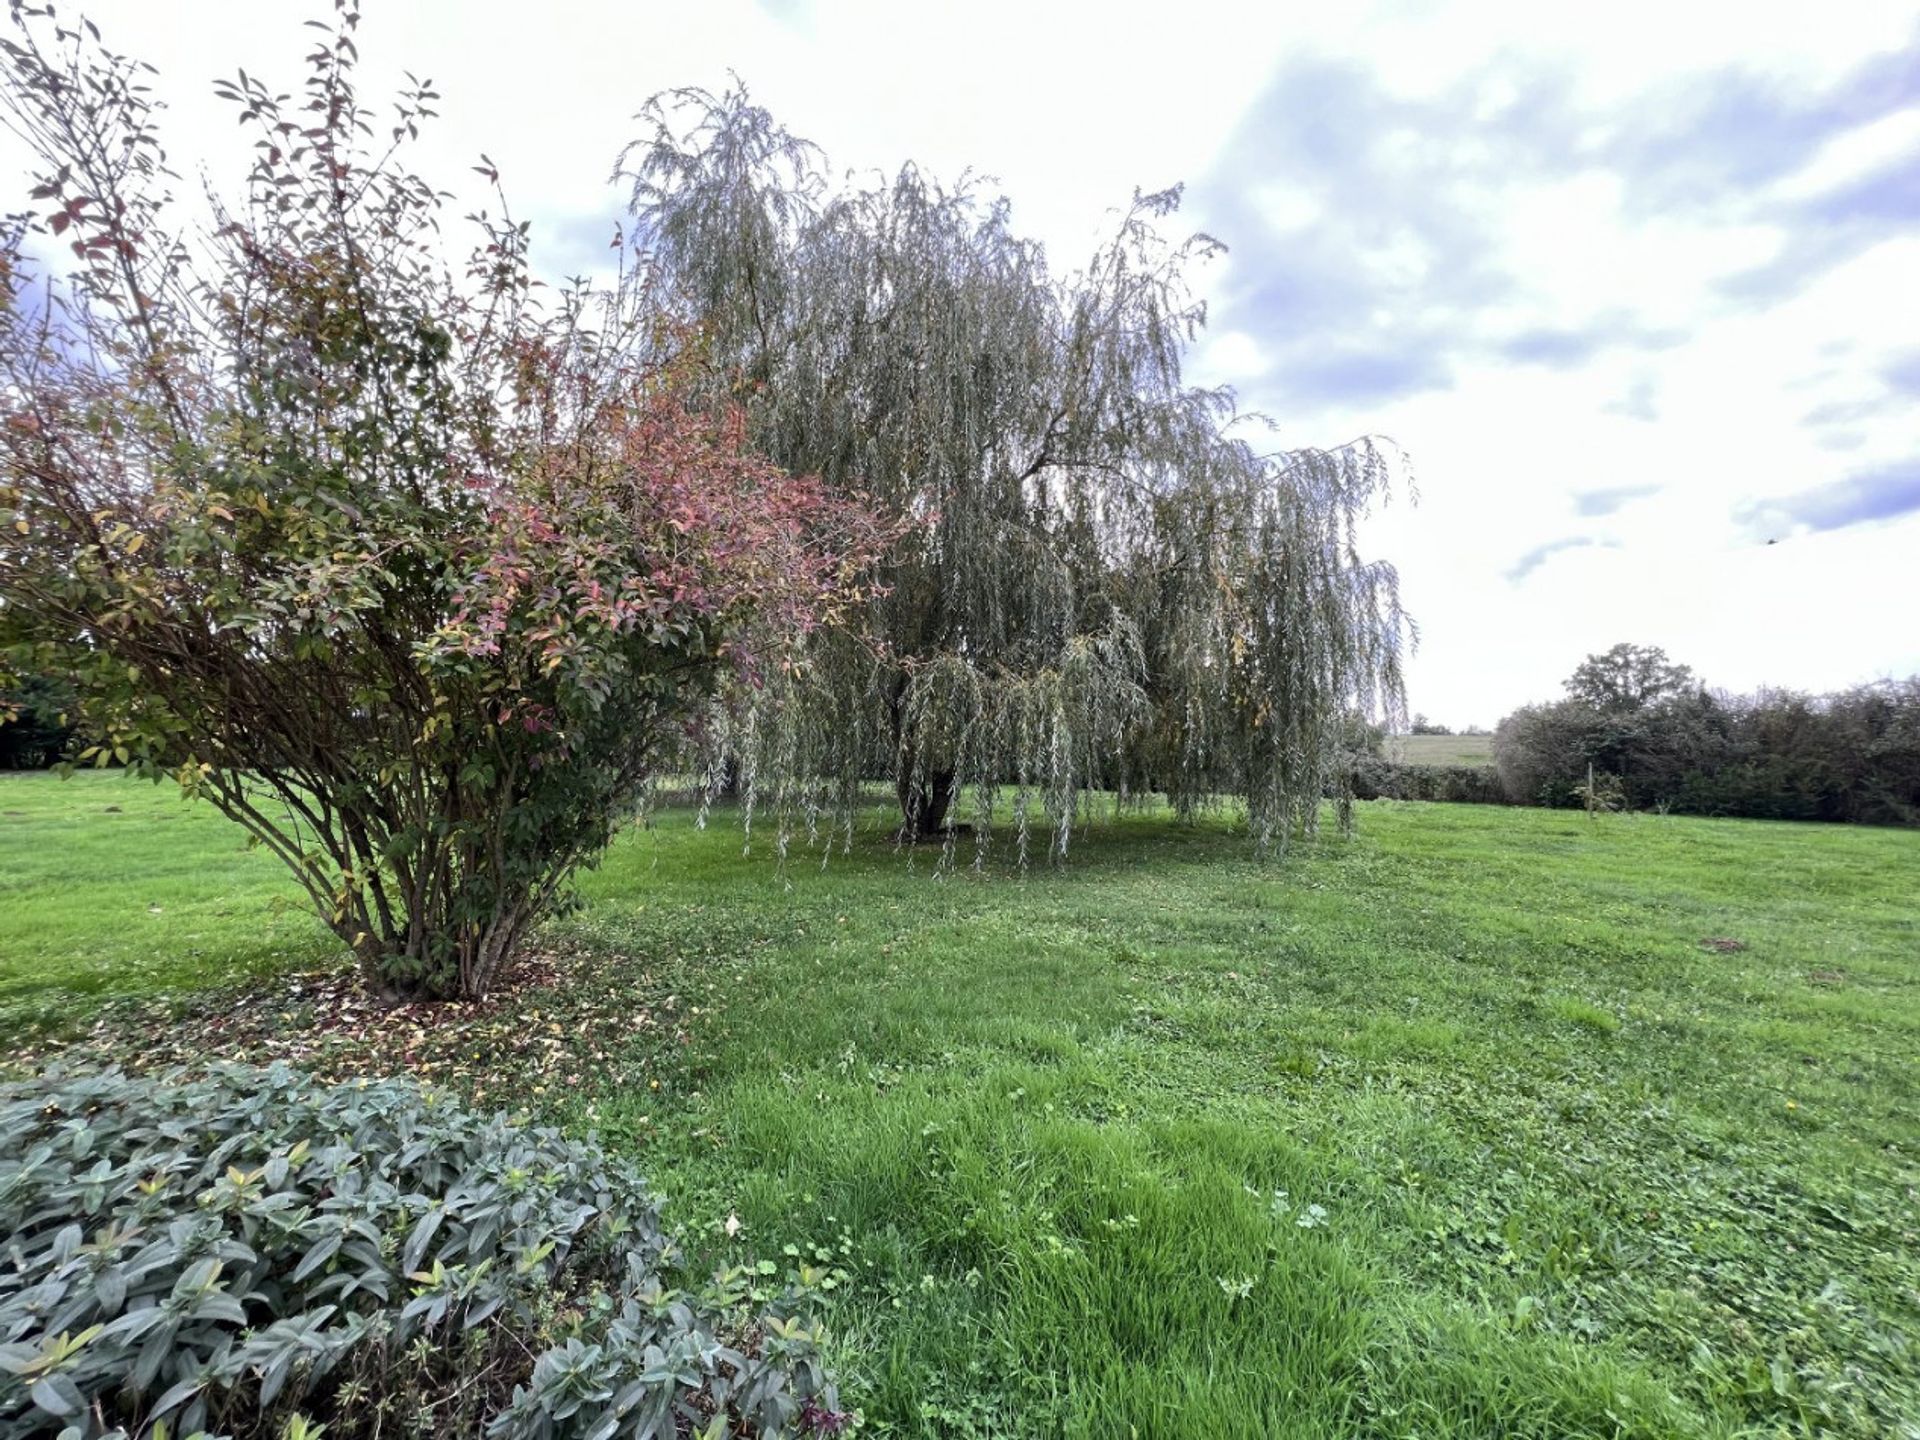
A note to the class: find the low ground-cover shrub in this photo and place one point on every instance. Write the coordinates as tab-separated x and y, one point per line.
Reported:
225	1252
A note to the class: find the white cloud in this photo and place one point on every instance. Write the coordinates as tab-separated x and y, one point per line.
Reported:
1230	357
1286	208
1609	352
1854	155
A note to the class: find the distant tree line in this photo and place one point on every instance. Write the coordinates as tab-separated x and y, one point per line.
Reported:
1423	726
1637	731
1657	738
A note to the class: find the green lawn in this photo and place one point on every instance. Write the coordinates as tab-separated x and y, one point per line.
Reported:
1441	749
113	887
1550	1167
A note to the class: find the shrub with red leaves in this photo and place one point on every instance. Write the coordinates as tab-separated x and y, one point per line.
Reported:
412	572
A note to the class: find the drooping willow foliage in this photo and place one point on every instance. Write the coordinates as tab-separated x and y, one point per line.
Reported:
1106	587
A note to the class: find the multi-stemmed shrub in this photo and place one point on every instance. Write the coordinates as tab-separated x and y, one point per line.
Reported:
251	1251
408	569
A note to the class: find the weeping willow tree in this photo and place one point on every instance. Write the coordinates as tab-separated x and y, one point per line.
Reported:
1105	585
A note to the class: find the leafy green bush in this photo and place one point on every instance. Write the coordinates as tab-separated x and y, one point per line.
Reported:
1540	752
229	1252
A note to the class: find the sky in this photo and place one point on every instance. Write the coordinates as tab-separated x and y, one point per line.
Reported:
1639	301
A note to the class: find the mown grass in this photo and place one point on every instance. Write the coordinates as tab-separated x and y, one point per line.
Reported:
111	887
1062	1134
1441	749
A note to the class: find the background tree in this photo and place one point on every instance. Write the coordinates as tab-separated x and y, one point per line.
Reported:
409	574
1851	756
1620	689
1627	678
1107	586
36	728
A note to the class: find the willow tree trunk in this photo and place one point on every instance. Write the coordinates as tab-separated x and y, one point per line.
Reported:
923	806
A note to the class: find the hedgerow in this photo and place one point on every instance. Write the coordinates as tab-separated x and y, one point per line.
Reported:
1852	756
1376	778
252	1252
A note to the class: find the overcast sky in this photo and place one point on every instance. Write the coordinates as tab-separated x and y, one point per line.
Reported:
1642	303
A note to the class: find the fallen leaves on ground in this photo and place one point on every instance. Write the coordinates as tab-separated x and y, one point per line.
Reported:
566	1019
